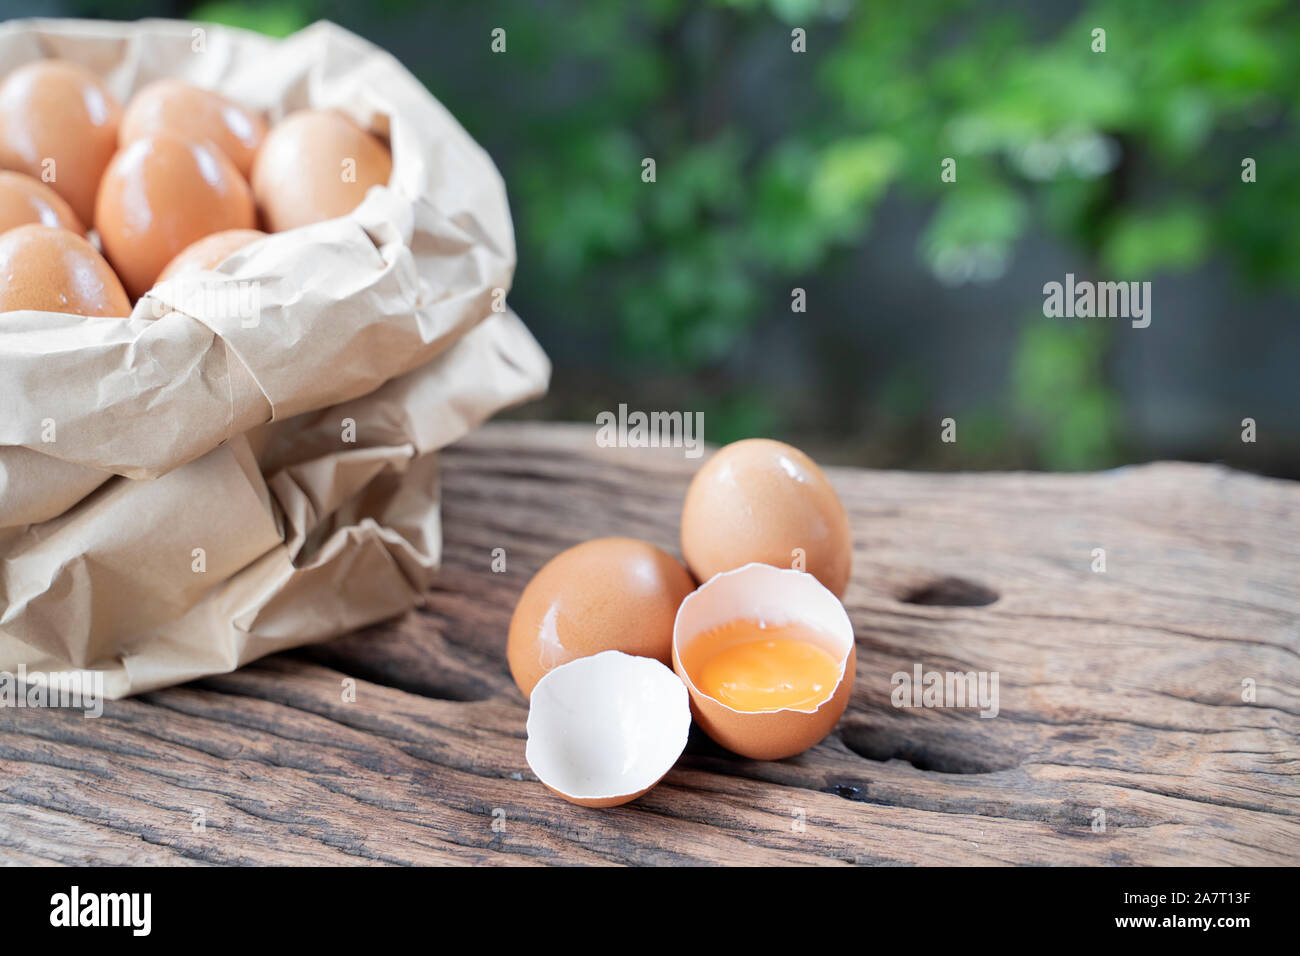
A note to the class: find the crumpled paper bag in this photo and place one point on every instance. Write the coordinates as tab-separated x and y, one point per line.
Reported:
249	462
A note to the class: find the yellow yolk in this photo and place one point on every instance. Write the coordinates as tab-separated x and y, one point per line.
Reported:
755	668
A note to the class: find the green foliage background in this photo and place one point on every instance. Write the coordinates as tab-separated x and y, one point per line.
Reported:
773	167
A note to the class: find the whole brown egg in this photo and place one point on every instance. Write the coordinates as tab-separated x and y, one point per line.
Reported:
160	194
316	165
58	124
765	501
609	594
209	252
26	200
191	112
53	270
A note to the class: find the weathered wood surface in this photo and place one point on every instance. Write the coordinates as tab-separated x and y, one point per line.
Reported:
1120	691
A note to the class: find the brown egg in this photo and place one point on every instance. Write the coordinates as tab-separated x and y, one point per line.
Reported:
190	112
160	194
762	500
53	270
610	594
59	124
316	165
779	597
24	200
209	252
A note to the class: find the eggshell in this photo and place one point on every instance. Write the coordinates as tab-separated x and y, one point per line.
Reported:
49	269
603	730
209	252
759	500
316	165
59	111
160	194
606	594
25	200
191	112
778	596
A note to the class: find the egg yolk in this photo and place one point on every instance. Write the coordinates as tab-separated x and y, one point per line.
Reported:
753	667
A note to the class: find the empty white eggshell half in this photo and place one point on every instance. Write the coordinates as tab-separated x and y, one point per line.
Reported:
602	730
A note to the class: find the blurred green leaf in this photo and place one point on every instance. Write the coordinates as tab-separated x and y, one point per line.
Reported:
852	174
1141	244
1059	391
276	18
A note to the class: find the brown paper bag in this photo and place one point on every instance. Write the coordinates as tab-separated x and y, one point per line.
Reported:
249	463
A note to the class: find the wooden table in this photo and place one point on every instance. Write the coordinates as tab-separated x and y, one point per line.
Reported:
1121	693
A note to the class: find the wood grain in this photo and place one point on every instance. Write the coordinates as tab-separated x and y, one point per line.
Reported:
1119	691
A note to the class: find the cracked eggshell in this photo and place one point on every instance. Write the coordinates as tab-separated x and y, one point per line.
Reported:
608	594
759	500
777	596
602	730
